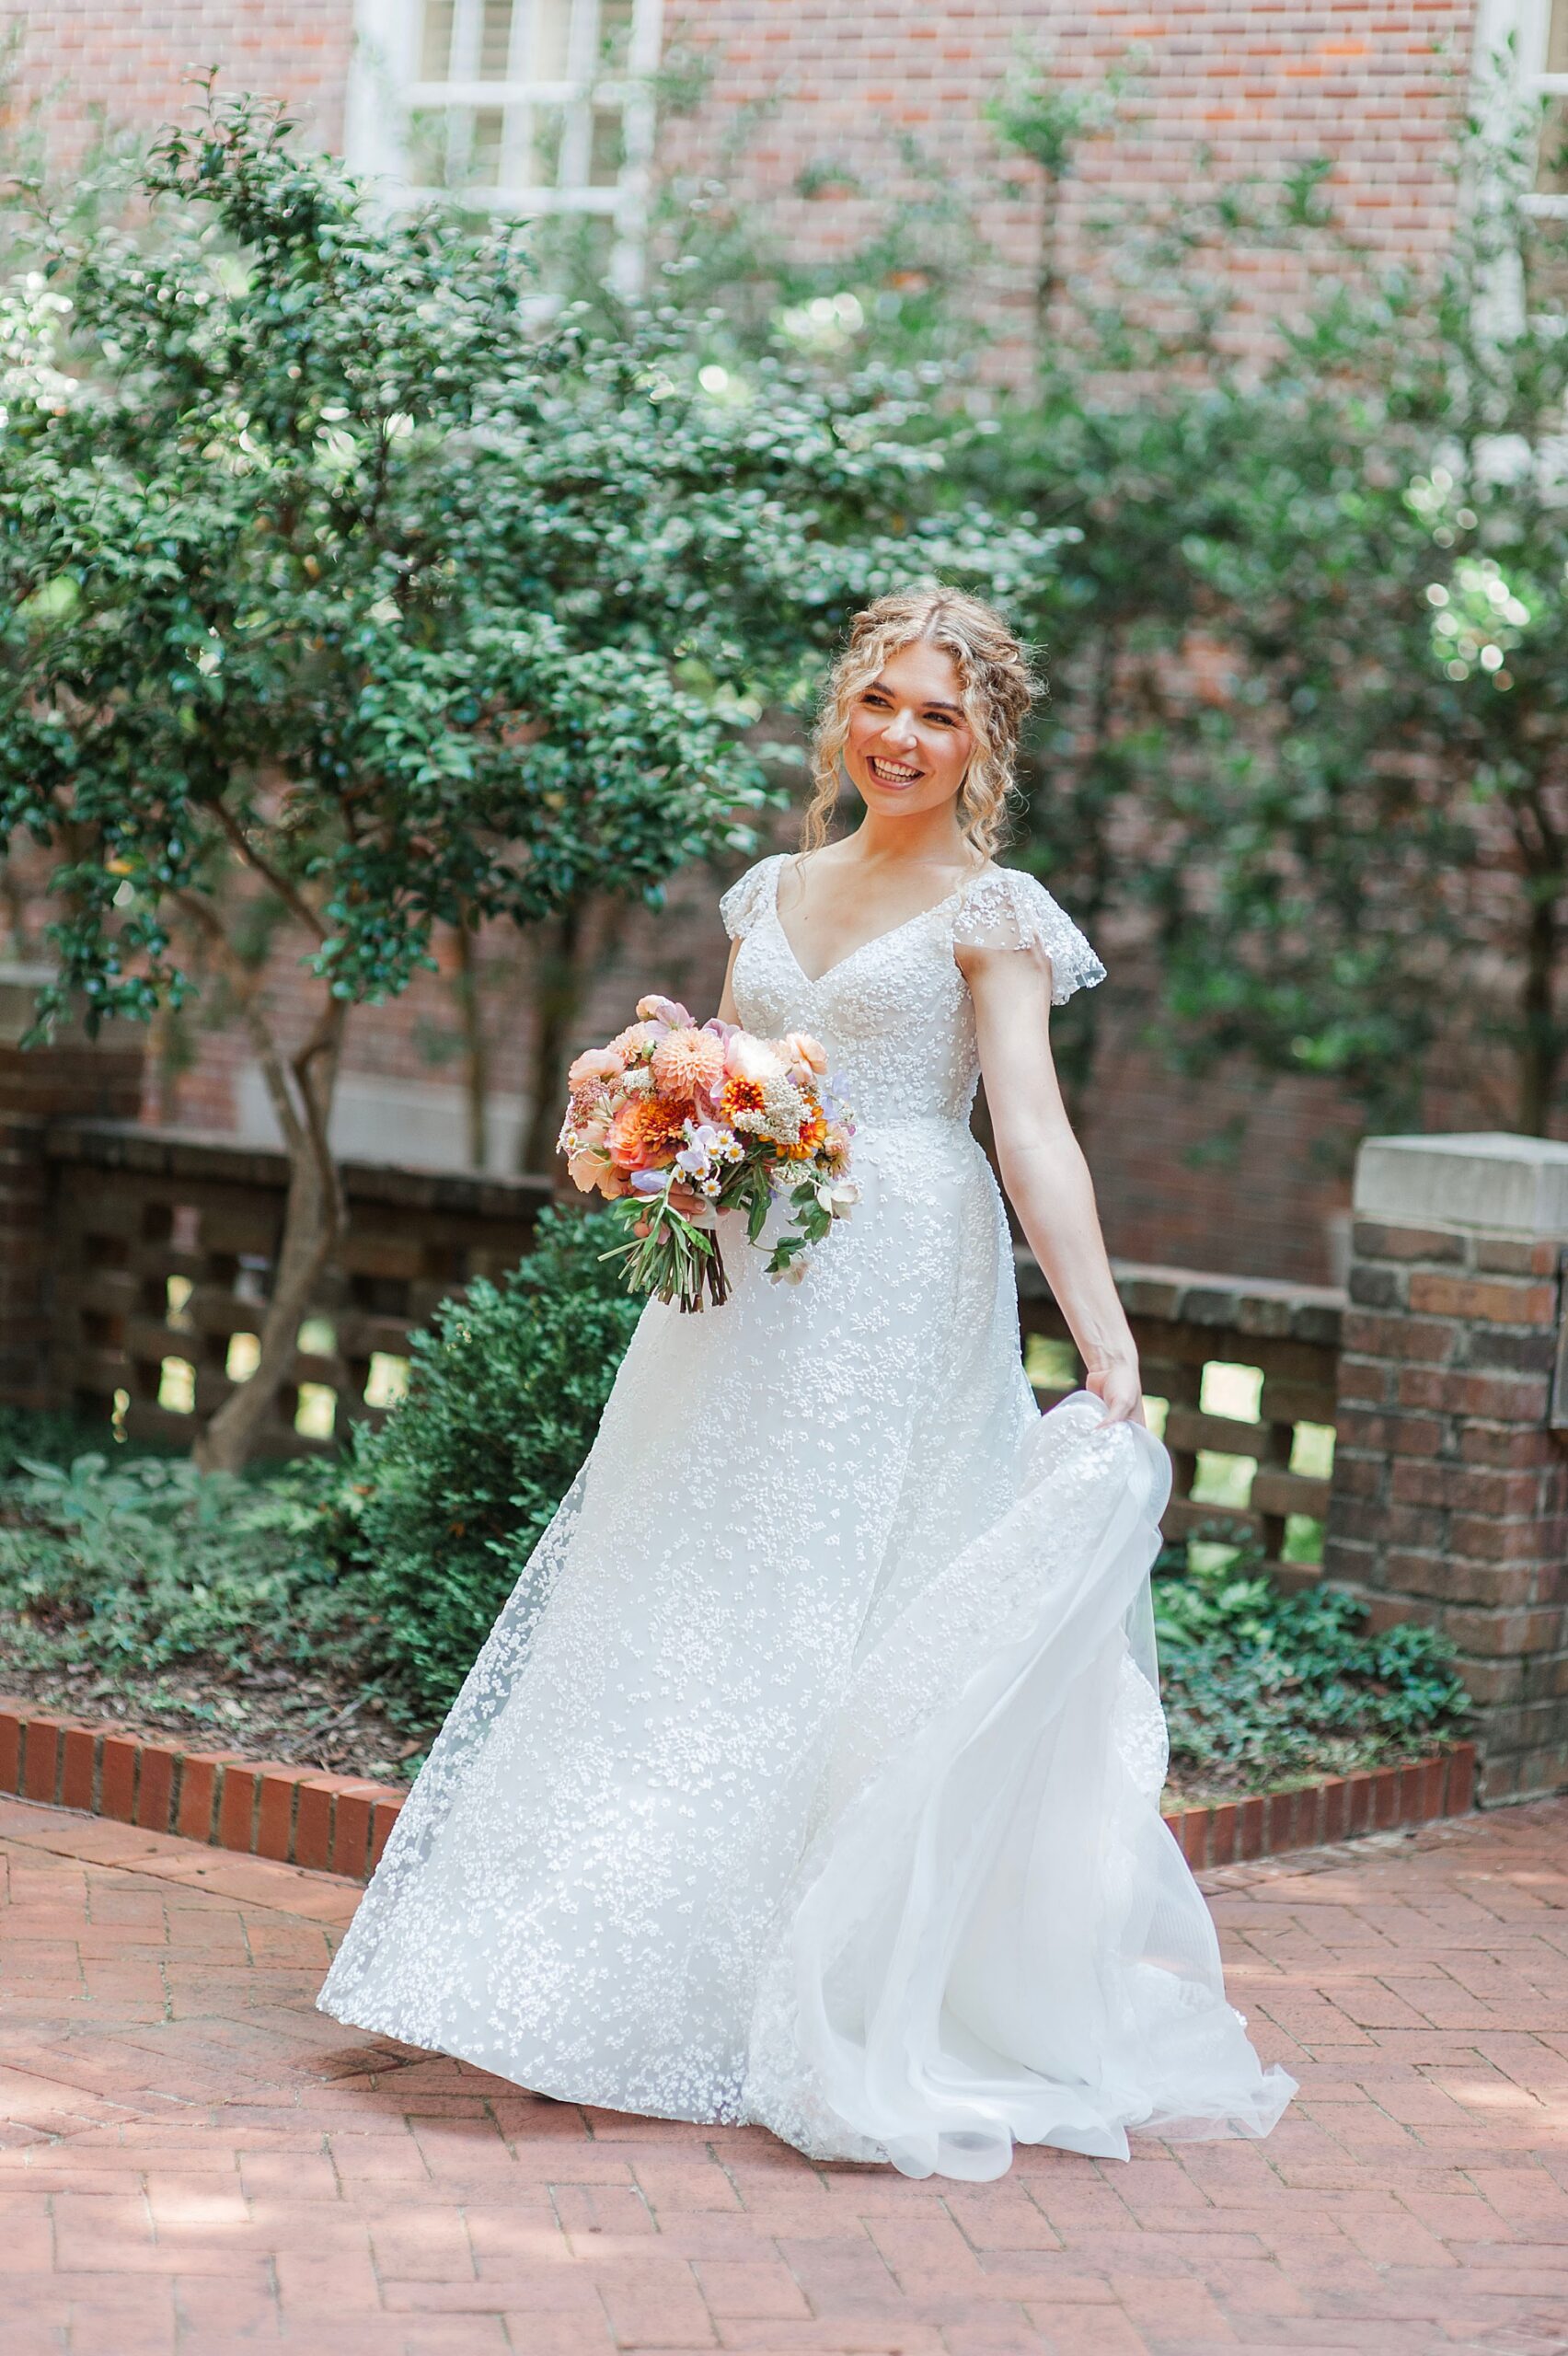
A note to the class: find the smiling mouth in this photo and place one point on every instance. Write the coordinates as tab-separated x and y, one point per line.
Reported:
890	772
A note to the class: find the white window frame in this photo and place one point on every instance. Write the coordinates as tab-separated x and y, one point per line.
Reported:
1526	23
385	86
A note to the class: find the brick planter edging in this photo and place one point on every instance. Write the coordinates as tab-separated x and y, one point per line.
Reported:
297	1815
1372	1799
340	1824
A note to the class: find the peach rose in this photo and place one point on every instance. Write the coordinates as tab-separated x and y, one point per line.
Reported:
799	1047
749	1059
595	1064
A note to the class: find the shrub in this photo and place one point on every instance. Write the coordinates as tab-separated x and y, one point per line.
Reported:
505	1393
140	1562
1260	1685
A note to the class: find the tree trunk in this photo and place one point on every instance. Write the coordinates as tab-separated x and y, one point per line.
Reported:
558	995
313	1221
1541	1055
475	1053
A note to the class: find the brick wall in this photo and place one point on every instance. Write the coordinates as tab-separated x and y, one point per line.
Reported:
1450	1484
821	83
795	83
80	59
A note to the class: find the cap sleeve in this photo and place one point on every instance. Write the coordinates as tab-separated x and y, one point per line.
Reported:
1010	910
748	896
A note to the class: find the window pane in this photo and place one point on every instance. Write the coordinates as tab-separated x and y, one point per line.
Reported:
608	151
484	151
549	127
495	39
551	39
615	35
435	46
1557	37
1546	265
1551	160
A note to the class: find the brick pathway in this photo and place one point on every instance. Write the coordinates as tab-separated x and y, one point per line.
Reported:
194	2162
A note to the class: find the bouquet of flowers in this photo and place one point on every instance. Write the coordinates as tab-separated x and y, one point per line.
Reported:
674	1124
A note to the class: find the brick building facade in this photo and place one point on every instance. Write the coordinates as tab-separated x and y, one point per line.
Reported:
506	94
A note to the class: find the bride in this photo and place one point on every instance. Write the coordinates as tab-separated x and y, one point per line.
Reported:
811	1775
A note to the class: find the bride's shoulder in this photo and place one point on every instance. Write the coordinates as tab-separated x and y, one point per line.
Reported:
748	896
1004	908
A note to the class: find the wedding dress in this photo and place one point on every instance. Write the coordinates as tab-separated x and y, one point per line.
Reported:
811	1776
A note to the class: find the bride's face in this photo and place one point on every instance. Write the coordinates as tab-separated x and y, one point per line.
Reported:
908	743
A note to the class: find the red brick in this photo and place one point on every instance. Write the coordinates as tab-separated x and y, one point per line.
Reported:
1433	1776
1496	1302
1511	1256
274	1819
1458	1796
1251	1828
41	1762
1412	1794
237	1806
117	1778
155	1789
313	1825
1373	1240
1279	1832
79	1775
1385	1798
1222	1833
351	1827
1358	1803
385	1816
1334	1808
200	1776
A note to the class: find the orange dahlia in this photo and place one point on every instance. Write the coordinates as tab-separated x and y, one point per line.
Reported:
644	1135
687	1062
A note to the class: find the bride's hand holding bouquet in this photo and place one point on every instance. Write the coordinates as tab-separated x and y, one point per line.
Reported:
675	1123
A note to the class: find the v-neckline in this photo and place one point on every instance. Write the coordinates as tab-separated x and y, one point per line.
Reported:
814	981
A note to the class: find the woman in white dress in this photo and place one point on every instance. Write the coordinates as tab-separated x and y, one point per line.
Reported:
811	1776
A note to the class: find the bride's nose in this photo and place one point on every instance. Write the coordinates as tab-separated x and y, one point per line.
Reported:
900	728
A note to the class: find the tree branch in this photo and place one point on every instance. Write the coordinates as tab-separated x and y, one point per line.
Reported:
292	899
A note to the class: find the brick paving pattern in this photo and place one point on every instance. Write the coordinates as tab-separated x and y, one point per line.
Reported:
194	2162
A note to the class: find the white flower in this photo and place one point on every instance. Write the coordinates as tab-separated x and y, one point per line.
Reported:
749	1059
783	1110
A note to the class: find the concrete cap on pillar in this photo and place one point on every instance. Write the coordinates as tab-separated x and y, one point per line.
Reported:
1509	1186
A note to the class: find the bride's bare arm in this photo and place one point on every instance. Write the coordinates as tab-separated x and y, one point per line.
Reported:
1043	1166
727	995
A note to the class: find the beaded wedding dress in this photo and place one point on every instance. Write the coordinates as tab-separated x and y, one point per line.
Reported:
811	1776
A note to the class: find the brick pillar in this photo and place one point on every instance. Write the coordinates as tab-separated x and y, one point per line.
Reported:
72	1079
1449	1499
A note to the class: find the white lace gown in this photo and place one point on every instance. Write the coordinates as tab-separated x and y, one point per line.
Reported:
811	1776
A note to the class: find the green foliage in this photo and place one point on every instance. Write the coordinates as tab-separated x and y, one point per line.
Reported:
121	1565
294	493
505	1393
1308	712
1260	1685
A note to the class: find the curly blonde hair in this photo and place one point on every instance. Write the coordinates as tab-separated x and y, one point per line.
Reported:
997	686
